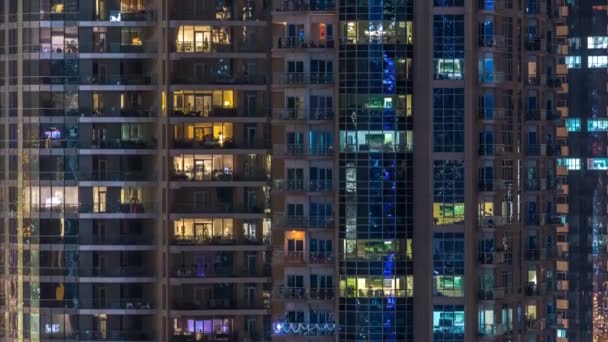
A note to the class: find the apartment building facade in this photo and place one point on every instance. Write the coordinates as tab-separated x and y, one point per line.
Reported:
302	170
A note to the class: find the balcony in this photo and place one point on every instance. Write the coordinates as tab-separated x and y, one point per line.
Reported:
533	289
491	294
301	150
206	240
117	272
290	114
117	208
533	254
226	12
77	271
303	222
113	335
282	328
303	78
494	42
215	78
491	222
144	14
218	207
533	44
235	46
493	5
224	143
224	271
219	176
491	185
300	185
118	79
489	77
491	330
494	149
499	257
117	240
297	293
321	258
303	5
88	114
115	176
137	46
219	112
299	43
218	303
122	304
494	113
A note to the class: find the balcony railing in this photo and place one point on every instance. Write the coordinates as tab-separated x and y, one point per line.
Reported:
118	79
219	176
303	150
491	329
117	207
533	44
226	143
122	304
118	47
300	185
302	114
77	271
215	208
213	240
303	5
284	292
219	112
219	79
227	303
491	294
321	258
303	78
300	43
116	239
302	221
110	111
213	47
494	41
304	329
223	271
113	335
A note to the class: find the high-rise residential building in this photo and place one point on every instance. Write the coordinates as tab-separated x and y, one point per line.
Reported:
303	170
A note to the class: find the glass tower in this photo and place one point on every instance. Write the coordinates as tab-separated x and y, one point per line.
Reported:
375	171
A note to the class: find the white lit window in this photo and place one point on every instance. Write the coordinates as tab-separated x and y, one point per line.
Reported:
597	42
597	61
573	62
570	163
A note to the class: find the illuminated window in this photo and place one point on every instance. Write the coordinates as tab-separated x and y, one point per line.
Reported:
597	61
99	199
569	163
448	47
448	192
573	62
597	42
448	264
376	286
203	103
596	125
597	164
573	124
448	323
